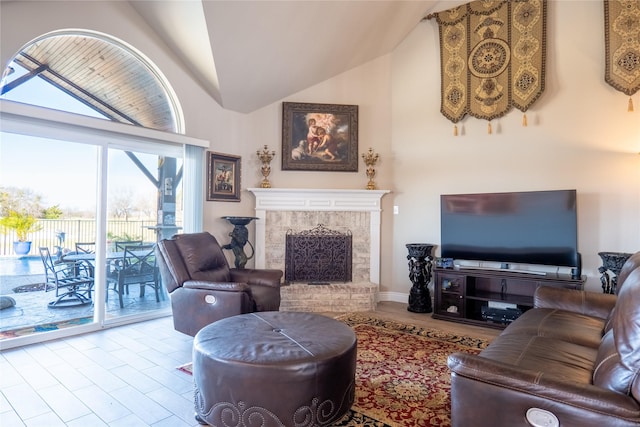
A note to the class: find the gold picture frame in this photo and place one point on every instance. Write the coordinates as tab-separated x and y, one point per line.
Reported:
319	137
223	177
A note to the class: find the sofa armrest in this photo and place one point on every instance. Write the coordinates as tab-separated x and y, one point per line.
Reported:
577	301
264	277
542	385
215	286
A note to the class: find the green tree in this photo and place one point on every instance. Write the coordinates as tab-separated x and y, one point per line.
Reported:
54	212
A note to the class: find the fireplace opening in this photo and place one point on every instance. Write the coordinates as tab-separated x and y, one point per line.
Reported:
318	256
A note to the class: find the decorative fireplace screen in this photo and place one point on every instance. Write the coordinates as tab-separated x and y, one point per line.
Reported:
318	256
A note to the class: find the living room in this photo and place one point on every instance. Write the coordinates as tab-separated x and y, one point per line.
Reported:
579	133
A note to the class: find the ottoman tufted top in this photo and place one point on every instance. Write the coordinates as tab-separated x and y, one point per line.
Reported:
274	338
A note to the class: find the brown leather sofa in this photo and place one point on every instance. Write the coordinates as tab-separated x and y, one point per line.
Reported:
204	289
572	360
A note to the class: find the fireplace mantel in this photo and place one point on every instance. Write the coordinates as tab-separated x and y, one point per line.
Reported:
296	199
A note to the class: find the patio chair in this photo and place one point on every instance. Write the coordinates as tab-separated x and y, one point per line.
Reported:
116	264
136	267
86	248
120	246
72	286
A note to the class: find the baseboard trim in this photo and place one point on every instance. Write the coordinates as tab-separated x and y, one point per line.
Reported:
393	297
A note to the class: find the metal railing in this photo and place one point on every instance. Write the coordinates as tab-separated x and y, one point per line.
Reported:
67	232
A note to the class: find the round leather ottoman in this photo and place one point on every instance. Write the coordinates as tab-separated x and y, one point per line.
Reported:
274	369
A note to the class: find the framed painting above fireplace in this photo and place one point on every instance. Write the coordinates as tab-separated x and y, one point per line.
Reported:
319	137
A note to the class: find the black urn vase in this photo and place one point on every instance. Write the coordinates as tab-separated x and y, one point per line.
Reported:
611	262
420	275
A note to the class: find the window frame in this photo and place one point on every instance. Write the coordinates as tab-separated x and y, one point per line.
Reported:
42	122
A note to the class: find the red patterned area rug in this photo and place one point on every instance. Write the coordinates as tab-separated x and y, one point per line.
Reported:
402	378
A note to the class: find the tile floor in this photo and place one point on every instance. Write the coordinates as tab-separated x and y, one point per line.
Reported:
124	376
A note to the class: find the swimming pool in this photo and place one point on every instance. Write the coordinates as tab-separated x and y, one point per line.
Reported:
14	266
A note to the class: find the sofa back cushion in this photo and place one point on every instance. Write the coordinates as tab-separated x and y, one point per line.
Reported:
631	264
626	321
618	361
203	257
609	372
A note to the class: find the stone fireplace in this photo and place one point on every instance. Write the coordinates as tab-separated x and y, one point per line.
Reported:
281	211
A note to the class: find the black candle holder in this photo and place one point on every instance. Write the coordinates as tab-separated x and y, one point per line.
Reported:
239	238
420	274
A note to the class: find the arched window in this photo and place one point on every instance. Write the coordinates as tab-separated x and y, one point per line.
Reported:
102	73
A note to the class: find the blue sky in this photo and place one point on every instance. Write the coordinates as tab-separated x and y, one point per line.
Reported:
63	173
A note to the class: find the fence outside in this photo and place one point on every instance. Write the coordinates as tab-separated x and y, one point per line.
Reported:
67	232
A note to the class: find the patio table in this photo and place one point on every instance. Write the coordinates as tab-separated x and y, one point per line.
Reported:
115	262
87	257
91	257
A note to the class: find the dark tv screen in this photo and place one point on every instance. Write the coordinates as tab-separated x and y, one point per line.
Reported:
534	227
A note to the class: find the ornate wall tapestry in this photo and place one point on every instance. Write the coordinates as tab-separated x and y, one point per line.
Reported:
492	58
622	46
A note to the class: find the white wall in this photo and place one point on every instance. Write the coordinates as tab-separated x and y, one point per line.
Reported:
579	135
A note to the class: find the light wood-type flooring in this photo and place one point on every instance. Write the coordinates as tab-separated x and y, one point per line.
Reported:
125	376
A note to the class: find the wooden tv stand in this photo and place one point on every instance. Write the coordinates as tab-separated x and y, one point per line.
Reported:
490	297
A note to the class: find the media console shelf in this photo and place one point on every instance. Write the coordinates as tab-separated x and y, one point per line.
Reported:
489	297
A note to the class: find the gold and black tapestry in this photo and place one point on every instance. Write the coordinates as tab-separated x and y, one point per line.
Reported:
622	45
492	57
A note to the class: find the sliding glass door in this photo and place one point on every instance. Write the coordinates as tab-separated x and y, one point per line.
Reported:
144	197
92	202
55	183
97	158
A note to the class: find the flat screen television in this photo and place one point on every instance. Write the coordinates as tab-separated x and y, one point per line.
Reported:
533	227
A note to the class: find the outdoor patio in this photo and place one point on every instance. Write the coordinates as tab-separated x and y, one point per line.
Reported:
31	307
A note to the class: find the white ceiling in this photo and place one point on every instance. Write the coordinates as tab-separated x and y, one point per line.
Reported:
249	54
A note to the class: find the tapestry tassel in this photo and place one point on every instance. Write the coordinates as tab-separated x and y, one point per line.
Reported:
489	130
524	120
630	108
455	130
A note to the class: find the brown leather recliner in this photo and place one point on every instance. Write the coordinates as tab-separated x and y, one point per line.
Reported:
204	289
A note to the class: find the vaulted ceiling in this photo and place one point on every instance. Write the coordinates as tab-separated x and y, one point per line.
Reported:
245	54
249	54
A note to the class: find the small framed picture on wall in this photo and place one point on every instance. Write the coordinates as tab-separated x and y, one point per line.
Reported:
223	177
